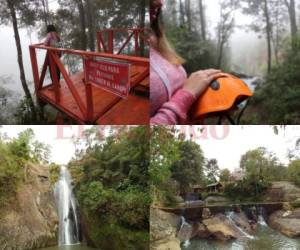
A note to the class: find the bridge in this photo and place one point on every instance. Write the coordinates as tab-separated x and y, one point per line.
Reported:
194	211
85	101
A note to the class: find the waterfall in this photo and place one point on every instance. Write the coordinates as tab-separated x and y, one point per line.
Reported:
229	216
261	217
184	233
67	212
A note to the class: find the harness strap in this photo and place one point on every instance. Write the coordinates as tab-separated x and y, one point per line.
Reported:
163	76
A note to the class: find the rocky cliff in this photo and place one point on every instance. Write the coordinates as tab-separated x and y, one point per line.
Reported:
30	220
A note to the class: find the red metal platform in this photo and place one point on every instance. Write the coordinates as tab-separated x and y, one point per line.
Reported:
85	102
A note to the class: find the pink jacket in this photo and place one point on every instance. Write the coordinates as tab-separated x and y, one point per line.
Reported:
169	103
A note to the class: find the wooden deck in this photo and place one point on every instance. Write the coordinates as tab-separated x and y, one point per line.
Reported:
108	108
88	103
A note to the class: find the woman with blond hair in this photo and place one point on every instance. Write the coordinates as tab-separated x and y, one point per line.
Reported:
171	93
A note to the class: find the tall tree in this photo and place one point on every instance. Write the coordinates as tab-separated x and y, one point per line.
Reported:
260	9
90	24
181	13
82	17
188	14
290	4
212	170
202	19
188	170
225	26
20	7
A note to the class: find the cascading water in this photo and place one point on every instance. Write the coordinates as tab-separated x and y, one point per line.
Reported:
230	217
261	217
184	232
67	212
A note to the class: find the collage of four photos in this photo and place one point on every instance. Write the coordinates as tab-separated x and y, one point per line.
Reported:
150	124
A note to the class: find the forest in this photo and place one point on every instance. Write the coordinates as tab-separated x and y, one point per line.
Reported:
76	21
251	39
112	187
178	164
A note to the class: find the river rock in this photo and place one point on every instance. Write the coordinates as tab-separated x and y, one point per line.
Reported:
287	224
283	191
242	221
31	220
206	213
200	231
163	230
221	228
185	231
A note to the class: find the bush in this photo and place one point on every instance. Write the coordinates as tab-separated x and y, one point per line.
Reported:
246	190
279	96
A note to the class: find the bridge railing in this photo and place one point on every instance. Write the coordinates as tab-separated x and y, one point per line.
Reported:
115	41
53	61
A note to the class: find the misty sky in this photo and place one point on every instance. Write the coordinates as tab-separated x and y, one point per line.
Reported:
240	139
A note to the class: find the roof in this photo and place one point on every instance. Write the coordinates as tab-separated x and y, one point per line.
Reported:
214	184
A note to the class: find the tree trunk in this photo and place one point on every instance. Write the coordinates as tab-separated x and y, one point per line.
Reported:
269	34
12	10
220	55
46	13
188	14
90	21
83	39
181	12
293	21
142	25
202	20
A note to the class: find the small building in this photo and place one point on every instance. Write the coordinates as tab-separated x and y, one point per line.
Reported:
214	187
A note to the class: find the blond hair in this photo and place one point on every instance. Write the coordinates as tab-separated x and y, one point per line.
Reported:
167	51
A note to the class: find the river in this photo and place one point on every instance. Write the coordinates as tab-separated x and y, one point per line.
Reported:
264	239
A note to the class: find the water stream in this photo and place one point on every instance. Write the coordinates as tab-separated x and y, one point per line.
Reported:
245	234
67	210
265	238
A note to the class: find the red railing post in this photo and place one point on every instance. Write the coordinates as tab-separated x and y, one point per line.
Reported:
111	41
136	42
89	94
34	65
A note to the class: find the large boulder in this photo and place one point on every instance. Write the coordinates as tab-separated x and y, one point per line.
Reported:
221	228
283	191
286	222
30	221
241	220
163	230
185	231
200	231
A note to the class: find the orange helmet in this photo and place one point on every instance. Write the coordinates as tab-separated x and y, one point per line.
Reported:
223	94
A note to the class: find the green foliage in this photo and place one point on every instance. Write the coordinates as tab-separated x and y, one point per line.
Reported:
224	175
112	185
188	170
246	190
198	54
260	164
212	170
176	165
110	235
164	153
294	172
15	156
278	96
10	173
54	173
